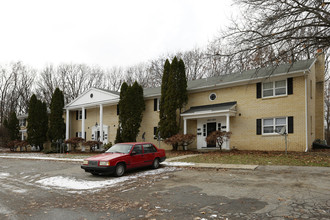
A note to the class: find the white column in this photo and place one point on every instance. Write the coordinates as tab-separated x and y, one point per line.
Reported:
185	130
22	137
67	133
184	126
227	129
83	123
101	122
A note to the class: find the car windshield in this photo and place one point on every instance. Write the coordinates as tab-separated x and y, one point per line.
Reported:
120	148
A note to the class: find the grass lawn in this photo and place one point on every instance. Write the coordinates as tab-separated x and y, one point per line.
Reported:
316	158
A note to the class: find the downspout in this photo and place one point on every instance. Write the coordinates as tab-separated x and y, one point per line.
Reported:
306	113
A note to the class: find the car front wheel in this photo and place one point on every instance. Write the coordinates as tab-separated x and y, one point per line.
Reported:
120	169
155	164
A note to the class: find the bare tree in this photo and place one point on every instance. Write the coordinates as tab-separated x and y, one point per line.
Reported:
327	111
195	62
291	28
114	77
47	83
16	81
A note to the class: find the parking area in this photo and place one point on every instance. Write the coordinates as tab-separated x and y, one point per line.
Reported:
37	189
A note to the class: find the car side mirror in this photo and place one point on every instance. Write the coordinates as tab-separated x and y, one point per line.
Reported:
133	153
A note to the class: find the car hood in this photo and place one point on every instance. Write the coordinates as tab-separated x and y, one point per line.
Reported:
105	156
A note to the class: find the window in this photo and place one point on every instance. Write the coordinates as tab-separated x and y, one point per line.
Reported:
149	148
78	134
273	125
311	88
156	104
212	96
219	126
22	122
276	88
138	149
79	114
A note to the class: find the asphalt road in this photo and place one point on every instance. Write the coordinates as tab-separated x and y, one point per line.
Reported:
265	193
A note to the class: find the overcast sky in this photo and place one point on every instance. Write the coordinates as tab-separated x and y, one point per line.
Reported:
105	32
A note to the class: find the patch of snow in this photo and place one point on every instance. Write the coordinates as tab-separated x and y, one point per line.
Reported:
75	184
128	189
179	164
20	190
3	175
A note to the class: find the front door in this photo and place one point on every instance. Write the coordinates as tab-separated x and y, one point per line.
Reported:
210	128
137	160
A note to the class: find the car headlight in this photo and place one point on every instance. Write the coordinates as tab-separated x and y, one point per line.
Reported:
104	163
85	162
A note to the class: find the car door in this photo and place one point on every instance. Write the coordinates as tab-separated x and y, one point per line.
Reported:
137	156
149	154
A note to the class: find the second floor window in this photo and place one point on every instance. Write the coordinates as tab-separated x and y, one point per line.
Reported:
22	122
276	88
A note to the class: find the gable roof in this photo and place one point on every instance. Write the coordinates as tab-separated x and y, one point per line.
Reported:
244	77
92	97
211	108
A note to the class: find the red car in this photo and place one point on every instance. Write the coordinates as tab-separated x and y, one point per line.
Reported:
124	156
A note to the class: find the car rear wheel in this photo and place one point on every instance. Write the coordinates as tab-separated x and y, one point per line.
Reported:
155	164
120	169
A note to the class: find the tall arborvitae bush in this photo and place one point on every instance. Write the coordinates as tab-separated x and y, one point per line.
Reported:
173	96
56	122
37	122
32	121
131	107
13	127
135	106
122	112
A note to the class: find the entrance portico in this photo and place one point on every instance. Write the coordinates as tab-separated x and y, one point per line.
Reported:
210	118
85	115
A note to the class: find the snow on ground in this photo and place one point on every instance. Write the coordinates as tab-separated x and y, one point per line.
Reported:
76	184
179	164
4	175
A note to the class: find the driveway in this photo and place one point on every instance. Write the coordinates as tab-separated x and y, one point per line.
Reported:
31	189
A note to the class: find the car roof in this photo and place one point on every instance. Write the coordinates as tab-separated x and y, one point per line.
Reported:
136	143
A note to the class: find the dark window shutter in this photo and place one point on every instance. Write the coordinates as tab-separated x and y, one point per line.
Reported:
85	113
155	130
258	126
258	90
85	136
290	86
76	134
155	104
117	109
77	115
290	125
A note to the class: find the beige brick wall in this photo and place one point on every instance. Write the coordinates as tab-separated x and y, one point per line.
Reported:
319	96
243	127
311	106
149	121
